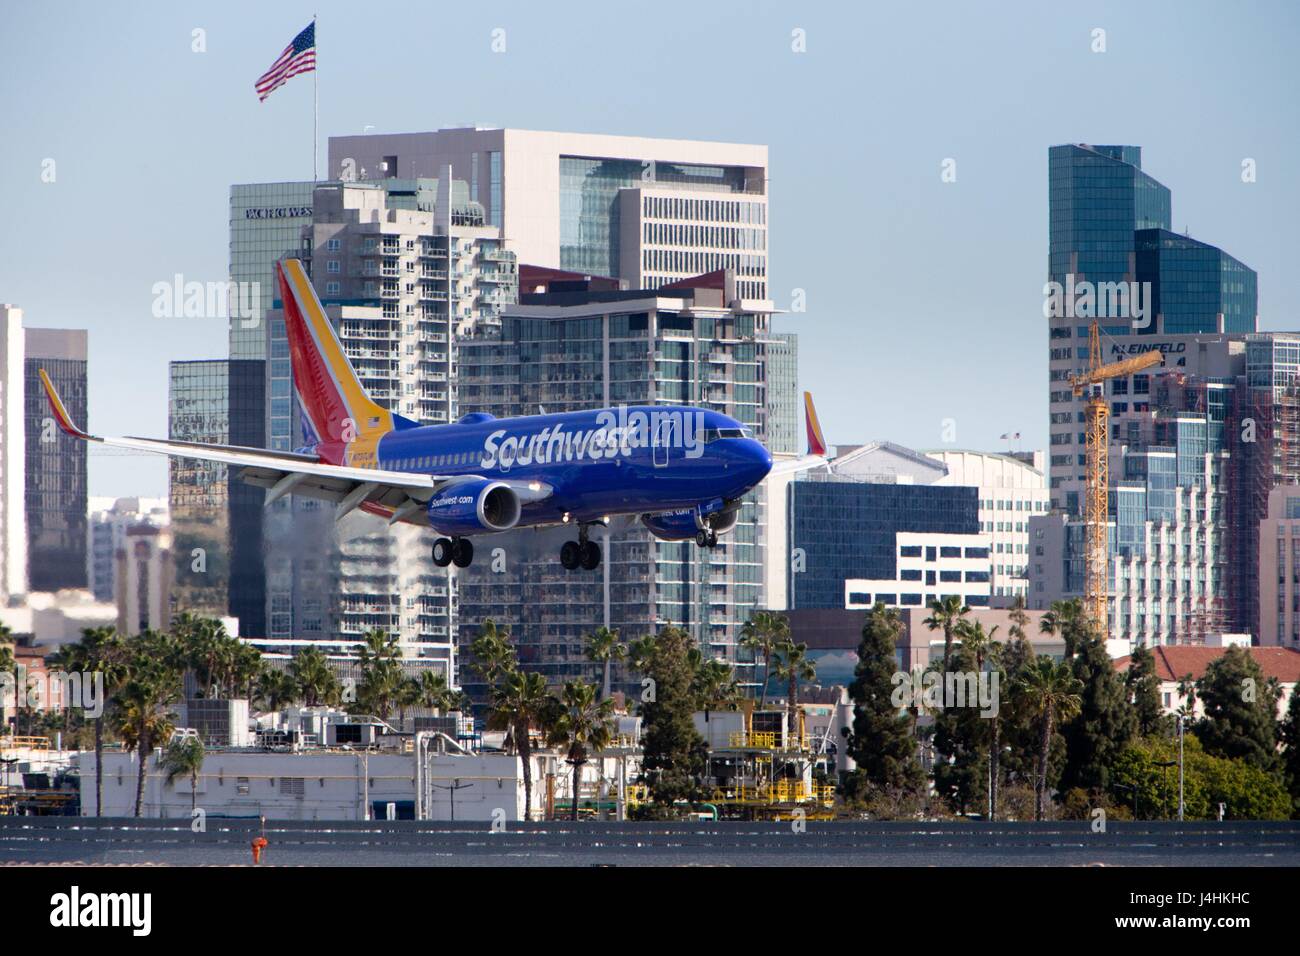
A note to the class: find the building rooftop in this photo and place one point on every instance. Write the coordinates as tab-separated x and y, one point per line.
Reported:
1174	662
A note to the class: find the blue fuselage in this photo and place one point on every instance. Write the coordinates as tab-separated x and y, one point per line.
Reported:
645	459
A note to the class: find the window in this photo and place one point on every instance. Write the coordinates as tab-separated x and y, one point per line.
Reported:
332	267
909	551
332	245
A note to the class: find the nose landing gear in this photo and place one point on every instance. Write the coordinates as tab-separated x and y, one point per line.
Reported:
459	551
706	539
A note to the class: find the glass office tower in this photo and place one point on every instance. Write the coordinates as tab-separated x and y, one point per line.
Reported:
56	463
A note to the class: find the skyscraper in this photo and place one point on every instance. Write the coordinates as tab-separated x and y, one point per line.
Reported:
1110	237
55	462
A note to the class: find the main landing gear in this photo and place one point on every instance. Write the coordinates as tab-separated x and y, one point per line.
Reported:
582	553
459	551
706	539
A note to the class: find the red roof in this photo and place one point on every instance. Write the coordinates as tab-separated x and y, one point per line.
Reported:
1176	661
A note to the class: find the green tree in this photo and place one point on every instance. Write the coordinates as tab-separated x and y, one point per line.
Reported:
582	724
1050	694
142	713
520	704
184	758
1105	722
276	688
1142	687
674	752
434	692
1240	710
793	665
315	679
945	614
1289	734
603	647
713	685
961	738
762	634
881	742
1246	792
100	652
1067	620
381	673
494	655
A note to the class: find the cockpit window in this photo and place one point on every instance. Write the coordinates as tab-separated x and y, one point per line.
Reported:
713	434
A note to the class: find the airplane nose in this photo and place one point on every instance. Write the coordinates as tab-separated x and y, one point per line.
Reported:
755	460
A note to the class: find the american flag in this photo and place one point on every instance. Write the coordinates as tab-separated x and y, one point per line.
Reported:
298	57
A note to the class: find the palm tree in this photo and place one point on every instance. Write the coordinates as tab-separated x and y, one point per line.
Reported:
408	695
493	653
640	651
275	688
1052	695
792	666
184	758
518	705
434	692
603	647
1065	618
381	674
100	652
976	641
763	633
583	723
714	685
316	681
152	683
946	613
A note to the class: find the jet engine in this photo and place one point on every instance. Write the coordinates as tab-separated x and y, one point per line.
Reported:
476	506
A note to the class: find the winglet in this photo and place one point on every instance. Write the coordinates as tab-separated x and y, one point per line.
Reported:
60	412
816	443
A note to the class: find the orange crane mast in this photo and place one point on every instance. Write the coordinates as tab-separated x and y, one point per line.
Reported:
1096	552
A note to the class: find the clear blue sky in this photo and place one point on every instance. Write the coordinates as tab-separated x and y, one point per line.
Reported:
924	298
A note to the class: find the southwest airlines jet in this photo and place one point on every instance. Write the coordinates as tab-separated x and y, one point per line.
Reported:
681	470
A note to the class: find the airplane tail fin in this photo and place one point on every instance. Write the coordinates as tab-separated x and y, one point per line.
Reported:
346	421
816	443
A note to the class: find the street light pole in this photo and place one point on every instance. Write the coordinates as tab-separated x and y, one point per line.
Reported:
1180	767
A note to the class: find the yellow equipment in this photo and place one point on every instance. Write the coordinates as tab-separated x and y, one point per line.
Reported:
1096	558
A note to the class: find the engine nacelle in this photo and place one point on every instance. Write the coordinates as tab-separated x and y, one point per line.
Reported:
478	506
681	525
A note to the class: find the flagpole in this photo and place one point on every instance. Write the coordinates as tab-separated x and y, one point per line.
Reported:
315	113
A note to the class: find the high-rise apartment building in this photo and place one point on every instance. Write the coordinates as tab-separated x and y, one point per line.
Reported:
402	268
108	521
585	348
648	211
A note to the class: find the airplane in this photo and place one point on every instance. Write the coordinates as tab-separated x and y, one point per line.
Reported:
680	470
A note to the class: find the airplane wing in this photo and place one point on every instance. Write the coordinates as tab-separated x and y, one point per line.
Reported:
397	495
791	465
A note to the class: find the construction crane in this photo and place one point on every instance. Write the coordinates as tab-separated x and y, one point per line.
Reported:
1096	553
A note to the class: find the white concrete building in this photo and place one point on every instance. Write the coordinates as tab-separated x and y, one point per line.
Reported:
1010	492
645	210
106	529
929	565
13	451
144	580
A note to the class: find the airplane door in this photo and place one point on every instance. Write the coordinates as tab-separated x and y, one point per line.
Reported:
663	441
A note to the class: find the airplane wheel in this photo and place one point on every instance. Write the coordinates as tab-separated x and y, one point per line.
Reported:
702	538
442	552
570	555
713	539
590	556
462	552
